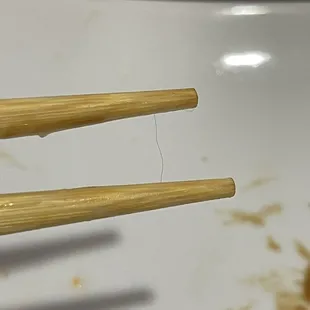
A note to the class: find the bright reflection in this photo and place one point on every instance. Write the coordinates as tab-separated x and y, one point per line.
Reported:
246	10
248	59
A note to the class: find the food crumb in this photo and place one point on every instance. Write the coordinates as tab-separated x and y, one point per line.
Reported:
76	282
273	245
286	297
290	301
306	284
272	282
241	217
272	209
257	218
302	251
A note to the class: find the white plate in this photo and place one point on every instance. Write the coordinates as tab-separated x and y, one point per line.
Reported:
250	65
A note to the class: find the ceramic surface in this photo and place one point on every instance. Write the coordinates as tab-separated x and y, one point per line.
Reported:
250	66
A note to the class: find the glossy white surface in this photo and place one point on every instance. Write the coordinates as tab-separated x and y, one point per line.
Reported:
250	66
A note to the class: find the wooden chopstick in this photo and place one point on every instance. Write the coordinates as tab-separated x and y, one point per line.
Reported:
33	210
44	115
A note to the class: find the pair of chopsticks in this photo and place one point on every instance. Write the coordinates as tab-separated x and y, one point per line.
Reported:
41	116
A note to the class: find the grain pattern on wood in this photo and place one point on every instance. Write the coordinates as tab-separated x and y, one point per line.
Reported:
44	115
34	210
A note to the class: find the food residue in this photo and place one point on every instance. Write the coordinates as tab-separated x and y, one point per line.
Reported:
271	209
259	182
302	251
306	284
286	295
290	301
76	282
241	217
257	218
271	282
273	245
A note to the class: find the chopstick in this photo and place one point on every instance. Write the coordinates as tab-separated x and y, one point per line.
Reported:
34	210
44	115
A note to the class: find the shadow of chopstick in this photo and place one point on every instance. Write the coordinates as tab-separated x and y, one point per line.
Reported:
24	256
116	300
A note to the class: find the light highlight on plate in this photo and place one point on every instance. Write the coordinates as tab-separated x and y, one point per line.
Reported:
248	59
246	10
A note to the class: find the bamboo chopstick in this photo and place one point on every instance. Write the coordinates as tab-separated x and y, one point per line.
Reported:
44	115
33	210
